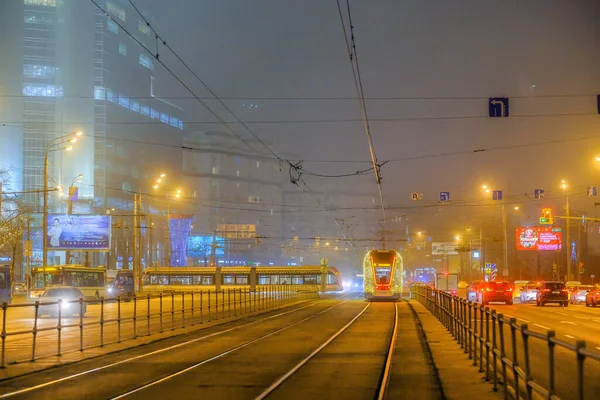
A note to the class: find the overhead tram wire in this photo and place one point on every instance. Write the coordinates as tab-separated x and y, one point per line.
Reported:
156	56
353	58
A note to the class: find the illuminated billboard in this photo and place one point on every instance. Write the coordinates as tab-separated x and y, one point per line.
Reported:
78	232
539	238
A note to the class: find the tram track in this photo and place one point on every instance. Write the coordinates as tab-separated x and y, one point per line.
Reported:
384	379
161	350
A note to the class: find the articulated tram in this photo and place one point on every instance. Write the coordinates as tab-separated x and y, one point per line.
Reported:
179	279
383	274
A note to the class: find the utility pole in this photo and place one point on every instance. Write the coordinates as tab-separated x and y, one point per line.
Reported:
568	222
136	243
506	272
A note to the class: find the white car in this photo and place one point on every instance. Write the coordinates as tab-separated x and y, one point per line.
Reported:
578	294
529	292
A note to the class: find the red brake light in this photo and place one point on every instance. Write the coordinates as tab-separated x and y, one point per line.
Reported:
546	290
578	293
488	289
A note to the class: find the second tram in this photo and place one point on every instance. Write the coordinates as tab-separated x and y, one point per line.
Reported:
383	275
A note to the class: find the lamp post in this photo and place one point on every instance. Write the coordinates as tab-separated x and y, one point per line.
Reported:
564	186
57	144
78	178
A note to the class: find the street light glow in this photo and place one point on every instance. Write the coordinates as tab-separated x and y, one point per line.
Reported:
158	180
78	133
74	140
516	207
155	186
484	187
163	175
69	148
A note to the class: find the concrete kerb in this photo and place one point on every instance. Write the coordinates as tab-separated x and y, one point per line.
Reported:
459	379
18	369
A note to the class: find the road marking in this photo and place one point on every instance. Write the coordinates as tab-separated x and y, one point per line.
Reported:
568	322
513	308
524	320
558	312
542	326
570	337
596	320
579	317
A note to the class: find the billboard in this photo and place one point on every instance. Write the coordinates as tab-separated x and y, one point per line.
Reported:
444	248
201	246
78	232
237	231
539	238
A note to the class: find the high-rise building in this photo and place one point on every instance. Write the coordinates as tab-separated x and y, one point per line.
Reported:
66	66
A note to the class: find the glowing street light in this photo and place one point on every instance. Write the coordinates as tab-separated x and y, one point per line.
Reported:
516	207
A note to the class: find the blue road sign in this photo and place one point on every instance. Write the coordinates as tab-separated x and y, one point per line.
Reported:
539	194
444	196
497	195
592	191
498	107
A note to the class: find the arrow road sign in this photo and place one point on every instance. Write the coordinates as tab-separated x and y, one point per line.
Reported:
497	195
498	107
444	196
592	191
415	196
539	194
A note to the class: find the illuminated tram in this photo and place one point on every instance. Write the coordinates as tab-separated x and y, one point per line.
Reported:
383	273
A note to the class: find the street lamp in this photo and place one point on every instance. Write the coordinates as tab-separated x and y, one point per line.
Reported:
56	144
564	186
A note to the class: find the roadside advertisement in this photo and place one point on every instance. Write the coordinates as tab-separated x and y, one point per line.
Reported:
539	238
444	248
78	232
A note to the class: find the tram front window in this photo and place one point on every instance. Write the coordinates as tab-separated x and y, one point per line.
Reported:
382	275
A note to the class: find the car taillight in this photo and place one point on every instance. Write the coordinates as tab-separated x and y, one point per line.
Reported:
578	293
546	290
509	290
564	291
488	289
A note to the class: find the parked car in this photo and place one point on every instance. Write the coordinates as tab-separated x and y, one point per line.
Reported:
69	305
474	290
496	291
552	292
579	293
529	292
592	298
518	287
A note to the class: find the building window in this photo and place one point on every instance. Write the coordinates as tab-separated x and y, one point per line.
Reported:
237	173
214	182
42	91
111	96
116	11
258	164
99	93
180	124
164	118
173	121
145	110
215	170
112	26
38	71
154	114
123	49
146	61
143	27
39	19
241	279
43	3
135	106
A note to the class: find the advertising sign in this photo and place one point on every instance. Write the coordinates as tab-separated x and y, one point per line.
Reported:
78	232
444	248
237	231
539	238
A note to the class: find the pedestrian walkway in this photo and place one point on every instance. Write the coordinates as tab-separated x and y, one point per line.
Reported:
458	377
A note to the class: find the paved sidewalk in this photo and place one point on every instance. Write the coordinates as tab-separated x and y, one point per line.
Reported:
459	378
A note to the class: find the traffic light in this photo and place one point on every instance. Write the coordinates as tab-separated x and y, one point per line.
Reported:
546	218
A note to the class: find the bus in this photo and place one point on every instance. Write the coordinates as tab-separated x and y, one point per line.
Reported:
91	281
179	279
5	285
383	275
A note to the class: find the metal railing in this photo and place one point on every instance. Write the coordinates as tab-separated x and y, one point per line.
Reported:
27	336
502	348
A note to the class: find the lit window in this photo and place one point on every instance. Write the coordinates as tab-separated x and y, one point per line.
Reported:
143	27
173	121
258	164
43	3
42	91
38	71
164	118
111	96
116	11
237	173
180	124
124	101
146	61
215	170
99	93
154	114
123	49
145	110
135	106
112	26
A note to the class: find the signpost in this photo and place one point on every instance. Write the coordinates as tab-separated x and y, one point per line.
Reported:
498	107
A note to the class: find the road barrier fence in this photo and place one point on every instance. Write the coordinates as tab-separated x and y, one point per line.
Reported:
77	325
501	347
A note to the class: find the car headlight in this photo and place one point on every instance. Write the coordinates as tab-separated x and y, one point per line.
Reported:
110	290
65	304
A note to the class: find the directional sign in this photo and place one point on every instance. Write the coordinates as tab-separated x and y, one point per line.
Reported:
415	196
539	194
592	191
498	107
497	195
444	196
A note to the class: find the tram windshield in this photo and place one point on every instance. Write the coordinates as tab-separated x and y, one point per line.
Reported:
382	275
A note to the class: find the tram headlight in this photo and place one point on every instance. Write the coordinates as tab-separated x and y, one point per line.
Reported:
347	284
